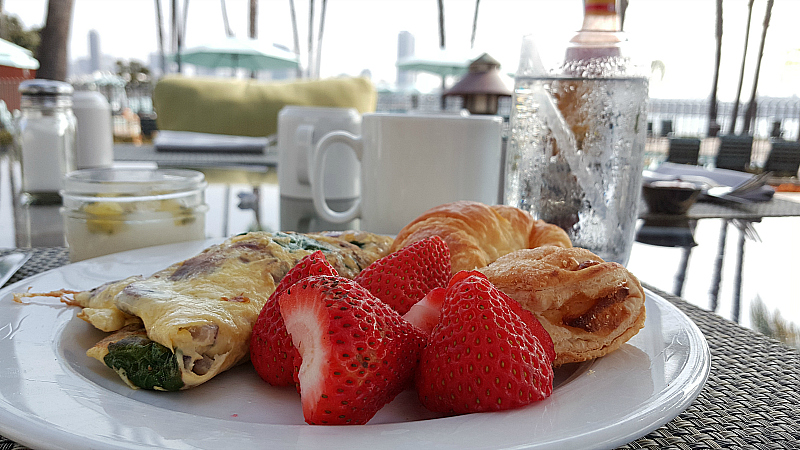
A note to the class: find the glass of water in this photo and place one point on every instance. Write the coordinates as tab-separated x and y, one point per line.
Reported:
576	146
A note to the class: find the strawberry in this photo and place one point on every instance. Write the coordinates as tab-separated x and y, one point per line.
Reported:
313	264
425	313
403	278
357	352
271	350
482	356
535	326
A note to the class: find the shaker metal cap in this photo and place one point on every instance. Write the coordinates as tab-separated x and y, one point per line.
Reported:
45	87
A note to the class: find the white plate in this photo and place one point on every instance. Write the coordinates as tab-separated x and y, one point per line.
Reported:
53	396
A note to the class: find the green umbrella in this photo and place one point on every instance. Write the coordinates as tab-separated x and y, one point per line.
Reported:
12	55
442	63
240	54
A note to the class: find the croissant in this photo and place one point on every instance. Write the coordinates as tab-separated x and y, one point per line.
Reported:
590	307
477	234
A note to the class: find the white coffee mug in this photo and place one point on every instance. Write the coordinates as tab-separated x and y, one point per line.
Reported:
410	163
299	130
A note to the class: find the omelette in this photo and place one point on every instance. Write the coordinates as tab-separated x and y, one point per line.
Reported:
183	325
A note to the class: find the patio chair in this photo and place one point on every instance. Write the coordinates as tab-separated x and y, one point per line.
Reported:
783	159
683	151
666	128
734	152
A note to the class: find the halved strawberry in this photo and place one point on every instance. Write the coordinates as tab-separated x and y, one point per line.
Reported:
271	350
482	356
402	278
357	352
425	313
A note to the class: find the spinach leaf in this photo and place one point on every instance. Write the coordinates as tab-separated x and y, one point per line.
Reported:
145	363
294	242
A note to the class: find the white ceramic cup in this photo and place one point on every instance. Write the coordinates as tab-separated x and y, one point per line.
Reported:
410	163
299	130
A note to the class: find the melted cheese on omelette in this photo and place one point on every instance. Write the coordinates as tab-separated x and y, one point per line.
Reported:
203	309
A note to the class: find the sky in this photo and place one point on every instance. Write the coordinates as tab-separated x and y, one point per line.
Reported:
362	34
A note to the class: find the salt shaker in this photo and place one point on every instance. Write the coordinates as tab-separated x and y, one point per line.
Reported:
47	139
95	138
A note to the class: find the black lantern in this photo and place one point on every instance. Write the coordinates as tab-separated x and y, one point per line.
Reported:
481	87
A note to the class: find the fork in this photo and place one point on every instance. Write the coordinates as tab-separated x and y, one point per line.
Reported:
750	185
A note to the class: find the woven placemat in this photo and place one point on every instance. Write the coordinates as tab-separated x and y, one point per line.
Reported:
42	259
751	399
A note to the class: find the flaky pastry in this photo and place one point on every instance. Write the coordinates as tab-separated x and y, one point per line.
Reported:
590	307
478	234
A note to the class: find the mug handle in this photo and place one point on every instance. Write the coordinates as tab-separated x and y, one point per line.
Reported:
318	178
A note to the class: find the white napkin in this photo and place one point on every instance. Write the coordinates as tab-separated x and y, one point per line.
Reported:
722	177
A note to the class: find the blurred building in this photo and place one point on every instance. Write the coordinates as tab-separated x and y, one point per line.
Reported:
154	64
95	62
405	48
94	50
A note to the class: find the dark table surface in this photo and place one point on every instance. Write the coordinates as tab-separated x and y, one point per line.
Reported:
776	207
751	398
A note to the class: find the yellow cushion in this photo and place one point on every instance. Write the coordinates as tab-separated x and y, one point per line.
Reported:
246	107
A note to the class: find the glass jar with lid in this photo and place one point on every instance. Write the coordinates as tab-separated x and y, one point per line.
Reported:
109	210
46	139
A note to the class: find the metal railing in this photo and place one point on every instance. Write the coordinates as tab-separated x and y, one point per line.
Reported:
774	118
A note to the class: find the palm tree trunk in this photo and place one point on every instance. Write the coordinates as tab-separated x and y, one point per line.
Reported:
442	101
474	24
160	27
319	38
750	114
228	31
441	23
182	24
735	114
252	16
296	35
52	52
310	70
713	127
175	44
3	26
184	18
181	30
